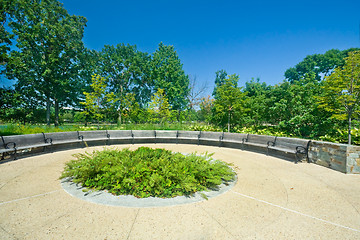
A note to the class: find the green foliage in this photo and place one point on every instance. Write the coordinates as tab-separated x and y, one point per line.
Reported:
206	106
258	102
96	100
341	136
205	128
159	107
167	73
229	106
45	60
318	65
219	81
341	91
262	130
147	172
128	71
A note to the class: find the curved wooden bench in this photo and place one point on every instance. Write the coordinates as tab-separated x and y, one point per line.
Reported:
120	136
233	140
65	138
143	136
94	136
298	147
211	138
18	143
191	137
166	136
258	143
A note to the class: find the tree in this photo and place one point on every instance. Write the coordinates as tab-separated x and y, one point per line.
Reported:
318	64
159	106
341	94
167	73
96	100
219	80
230	102
206	106
258	101
46	55
128	72
195	93
6	37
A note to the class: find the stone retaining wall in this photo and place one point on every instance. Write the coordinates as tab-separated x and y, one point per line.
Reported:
340	157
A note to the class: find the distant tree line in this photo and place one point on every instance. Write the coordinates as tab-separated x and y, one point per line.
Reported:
318	94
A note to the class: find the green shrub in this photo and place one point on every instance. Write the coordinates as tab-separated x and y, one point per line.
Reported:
147	172
205	127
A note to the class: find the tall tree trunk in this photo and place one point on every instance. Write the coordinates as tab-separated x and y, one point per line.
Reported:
119	117
48	104
349	132
229	121
178	115
56	113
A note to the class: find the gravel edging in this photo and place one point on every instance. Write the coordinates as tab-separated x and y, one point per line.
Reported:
106	198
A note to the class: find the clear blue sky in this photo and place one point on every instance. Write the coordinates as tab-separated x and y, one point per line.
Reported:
252	39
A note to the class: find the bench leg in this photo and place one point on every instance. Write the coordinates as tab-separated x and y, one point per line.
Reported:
297	158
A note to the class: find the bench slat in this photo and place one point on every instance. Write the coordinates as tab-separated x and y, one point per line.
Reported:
163	134
120	134
234	137
212	136
94	135
63	137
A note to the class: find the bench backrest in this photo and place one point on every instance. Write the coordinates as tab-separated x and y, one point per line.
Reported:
235	137
143	133
63	136
261	139
25	140
88	135
166	134
211	135
291	143
120	134
189	134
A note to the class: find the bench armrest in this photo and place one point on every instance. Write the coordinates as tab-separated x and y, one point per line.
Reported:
301	149
7	145
270	143
48	140
244	140
81	137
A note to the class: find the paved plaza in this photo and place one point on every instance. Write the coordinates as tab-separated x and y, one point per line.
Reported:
272	199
